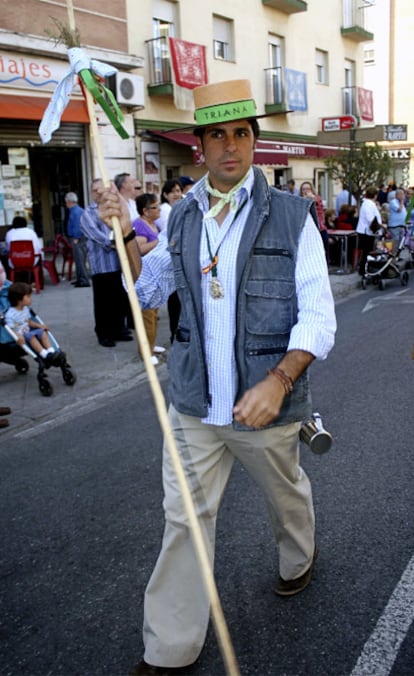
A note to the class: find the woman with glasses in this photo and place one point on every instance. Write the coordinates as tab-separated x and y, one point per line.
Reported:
148	208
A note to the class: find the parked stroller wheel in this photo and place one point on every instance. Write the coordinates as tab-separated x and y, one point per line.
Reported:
21	366
404	278
45	388
68	377
381	284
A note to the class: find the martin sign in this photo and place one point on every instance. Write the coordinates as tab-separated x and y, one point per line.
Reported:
395	132
339	123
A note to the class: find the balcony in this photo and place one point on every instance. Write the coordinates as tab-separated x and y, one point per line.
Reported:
160	81
359	102
287	6
354	22
275	99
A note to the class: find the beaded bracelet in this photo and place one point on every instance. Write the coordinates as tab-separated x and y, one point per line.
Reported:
283	378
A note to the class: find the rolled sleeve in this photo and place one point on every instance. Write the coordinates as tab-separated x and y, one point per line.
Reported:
315	329
156	281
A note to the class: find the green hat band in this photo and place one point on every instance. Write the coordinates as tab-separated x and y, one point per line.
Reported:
226	112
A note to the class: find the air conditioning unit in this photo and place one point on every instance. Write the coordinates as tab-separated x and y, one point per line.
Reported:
129	90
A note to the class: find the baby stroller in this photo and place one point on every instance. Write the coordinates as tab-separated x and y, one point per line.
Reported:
382	264
409	244
12	353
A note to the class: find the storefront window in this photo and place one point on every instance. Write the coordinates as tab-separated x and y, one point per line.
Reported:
15	186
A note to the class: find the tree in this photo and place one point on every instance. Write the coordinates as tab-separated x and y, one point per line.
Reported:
358	166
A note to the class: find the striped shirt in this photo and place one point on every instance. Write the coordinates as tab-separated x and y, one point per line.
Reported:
102	255
314	331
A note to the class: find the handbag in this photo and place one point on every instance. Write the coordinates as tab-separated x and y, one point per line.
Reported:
375	225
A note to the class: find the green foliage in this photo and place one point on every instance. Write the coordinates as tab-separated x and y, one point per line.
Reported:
360	166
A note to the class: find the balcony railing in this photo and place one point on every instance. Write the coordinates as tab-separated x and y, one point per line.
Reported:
354	26
275	97
159	64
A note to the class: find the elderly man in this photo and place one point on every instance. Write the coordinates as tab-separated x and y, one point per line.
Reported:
396	218
77	239
249	267
130	189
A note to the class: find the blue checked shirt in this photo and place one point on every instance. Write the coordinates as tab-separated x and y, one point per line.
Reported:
315	301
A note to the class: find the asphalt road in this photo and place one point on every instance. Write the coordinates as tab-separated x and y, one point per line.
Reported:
81	523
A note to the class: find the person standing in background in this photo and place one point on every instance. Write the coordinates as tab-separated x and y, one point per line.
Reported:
369	218
307	190
110	300
396	217
77	239
147	236
171	194
130	188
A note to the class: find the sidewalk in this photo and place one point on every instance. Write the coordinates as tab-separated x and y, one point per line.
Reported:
101	372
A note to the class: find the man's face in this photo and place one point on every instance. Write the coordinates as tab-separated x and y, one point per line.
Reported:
97	190
228	151
128	188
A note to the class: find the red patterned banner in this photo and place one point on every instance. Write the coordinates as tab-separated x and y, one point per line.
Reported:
189	63
365	104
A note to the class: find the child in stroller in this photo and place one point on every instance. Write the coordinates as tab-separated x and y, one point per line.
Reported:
383	264
28	331
23	332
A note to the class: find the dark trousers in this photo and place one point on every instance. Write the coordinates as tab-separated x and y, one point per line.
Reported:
366	243
110	305
174	307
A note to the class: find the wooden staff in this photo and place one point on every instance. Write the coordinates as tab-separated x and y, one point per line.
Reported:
221	629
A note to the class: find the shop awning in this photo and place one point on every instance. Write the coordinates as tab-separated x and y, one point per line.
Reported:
267	151
33	107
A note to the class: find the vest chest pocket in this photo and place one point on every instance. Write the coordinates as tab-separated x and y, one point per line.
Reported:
270	306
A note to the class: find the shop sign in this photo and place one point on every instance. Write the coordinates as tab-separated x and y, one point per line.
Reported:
32	72
400	154
339	123
395	132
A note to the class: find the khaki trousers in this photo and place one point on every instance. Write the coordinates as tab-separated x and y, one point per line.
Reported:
176	608
150	319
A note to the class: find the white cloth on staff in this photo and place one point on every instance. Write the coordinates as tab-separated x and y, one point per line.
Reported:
78	61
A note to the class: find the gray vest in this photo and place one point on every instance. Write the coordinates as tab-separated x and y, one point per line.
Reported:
266	300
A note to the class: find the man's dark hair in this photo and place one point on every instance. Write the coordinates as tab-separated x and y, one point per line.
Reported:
144	201
119	179
17	291
200	131
19	222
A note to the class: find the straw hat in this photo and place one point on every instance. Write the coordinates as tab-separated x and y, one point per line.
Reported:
223	102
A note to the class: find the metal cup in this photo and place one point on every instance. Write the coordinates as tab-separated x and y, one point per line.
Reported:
313	434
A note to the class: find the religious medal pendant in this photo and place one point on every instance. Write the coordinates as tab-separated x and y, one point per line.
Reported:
216	289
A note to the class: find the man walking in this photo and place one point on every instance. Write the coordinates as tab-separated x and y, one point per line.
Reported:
249	267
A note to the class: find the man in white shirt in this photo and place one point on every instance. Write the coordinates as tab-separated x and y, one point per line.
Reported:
256	309
21	232
130	188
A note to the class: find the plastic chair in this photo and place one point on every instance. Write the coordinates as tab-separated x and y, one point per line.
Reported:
22	257
50	263
65	250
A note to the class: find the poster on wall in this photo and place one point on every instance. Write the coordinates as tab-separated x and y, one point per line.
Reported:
150	153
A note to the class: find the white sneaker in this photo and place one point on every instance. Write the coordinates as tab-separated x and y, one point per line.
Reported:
154	360
158	349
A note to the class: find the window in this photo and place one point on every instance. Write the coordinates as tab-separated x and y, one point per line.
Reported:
348	90
321	63
369	57
163	23
274	84
223	38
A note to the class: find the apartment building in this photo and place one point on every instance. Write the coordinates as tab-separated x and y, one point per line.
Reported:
305	61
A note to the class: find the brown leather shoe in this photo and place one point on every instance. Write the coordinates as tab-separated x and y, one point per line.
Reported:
291	587
4	422
5	410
